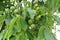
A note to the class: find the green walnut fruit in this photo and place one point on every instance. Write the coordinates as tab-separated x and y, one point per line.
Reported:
12	7
38	17
7	10
35	12
16	11
35	5
37	8
30	21
32	25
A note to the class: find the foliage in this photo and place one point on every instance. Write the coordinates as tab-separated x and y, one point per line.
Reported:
25	20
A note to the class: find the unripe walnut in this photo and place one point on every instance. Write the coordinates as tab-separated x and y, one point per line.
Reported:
32	25
35	5
12	7
38	17
16	11
30	21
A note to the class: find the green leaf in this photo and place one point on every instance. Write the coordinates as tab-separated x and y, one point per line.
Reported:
18	24
1	12
43	11
1	35
30	35
48	35
31	13
10	28
7	20
13	38
21	36
41	33
50	4
42	20
2	18
5	33
53	4
51	22
23	23
57	19
24	14
15	30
